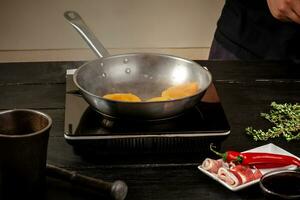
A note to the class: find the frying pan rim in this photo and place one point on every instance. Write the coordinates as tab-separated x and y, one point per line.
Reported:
202	89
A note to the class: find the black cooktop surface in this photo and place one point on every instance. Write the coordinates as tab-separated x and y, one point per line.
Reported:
207	119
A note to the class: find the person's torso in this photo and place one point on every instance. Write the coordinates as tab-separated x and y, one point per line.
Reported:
249	30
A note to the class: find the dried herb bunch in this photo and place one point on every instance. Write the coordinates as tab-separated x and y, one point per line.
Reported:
286	120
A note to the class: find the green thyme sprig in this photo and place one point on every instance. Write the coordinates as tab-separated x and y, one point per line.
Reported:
286	120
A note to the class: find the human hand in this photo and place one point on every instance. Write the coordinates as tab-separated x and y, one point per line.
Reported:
285	10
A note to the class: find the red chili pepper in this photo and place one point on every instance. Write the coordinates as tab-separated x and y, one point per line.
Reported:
258	159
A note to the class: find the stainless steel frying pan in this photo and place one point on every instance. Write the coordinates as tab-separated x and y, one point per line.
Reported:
143	74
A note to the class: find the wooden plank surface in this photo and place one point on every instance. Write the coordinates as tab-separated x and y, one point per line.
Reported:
245	88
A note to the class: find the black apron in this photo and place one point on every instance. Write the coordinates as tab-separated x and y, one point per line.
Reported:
247	29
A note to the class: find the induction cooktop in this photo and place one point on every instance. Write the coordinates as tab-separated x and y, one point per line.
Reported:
191	131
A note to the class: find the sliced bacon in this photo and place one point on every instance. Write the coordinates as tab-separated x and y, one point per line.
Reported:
228	177
257	174
232	174
212	165
245	173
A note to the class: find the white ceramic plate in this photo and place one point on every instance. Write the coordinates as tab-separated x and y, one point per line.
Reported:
268	148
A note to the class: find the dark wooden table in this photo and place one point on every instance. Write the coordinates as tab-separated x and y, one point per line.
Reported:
245	88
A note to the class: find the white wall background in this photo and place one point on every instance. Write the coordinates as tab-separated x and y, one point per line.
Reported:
118	24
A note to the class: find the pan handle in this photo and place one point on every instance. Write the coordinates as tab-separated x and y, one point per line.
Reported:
77	22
